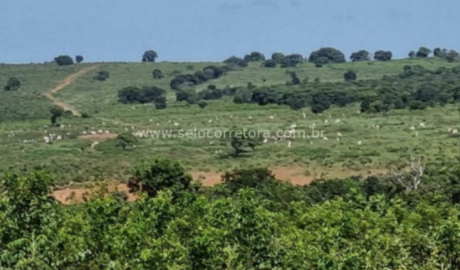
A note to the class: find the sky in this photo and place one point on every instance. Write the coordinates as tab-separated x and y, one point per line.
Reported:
34	31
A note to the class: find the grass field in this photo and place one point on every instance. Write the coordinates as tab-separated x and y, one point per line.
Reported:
308	157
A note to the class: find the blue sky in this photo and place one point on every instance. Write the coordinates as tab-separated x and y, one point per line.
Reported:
212	30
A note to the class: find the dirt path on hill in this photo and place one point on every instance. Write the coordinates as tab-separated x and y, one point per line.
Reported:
67	81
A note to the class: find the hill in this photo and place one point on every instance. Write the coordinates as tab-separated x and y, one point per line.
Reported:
26	114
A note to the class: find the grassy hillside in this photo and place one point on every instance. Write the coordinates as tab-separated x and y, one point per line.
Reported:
26	114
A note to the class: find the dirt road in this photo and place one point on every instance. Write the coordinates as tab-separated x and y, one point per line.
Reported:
70	79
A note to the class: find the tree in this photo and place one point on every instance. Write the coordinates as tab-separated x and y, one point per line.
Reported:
13	84
412	54
291	60
160	103
254	57
158	175
102	75
437	52
417	105
333	55
56	112
423	52
78	58
320	61
365	105
294	79
157	74
450	55
133	94
383	55
350	75
240	139
125	139
248	178
320	102
270	63
361	55
63	60
236	61
149	56
278	57
410	182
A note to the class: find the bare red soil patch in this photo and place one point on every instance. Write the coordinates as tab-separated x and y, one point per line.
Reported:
66	196
294	175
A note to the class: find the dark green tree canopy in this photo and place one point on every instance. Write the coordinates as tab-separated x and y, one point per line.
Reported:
160	102
278	57
361	55
254	57
56	112
423	52
382	55
320	61
63	60
236	61
158	175
13	84
350	75
145	94
331	54
78	58
125	139
270	63
149	56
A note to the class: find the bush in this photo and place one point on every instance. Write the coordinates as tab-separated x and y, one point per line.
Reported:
254	57
202	104
160	103
270	63
102	75
142	95
417	105
160	174
13	84
63	60
320	61
350	75
236	61
157	74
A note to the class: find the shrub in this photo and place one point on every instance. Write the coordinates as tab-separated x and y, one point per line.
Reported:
270	63
350	75
202	104
142	95
13	84
102	75
157	74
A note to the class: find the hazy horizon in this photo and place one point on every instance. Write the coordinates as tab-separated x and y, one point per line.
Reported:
210	30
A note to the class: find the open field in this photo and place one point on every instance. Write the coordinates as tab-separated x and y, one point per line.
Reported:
75	163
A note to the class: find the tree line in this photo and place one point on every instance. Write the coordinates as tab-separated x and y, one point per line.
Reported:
250	221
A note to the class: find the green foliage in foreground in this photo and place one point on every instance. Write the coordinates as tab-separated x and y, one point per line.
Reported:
241	224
